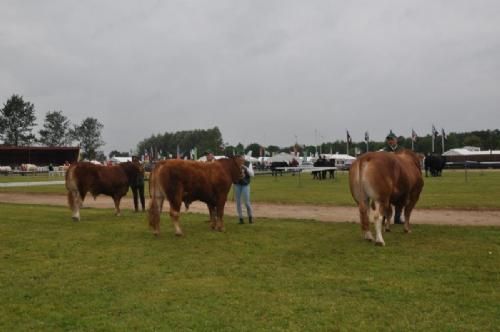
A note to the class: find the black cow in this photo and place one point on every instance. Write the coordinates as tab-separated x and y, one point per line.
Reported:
276	164
435	164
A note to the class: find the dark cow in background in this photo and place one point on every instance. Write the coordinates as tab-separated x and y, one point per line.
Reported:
114	181
277	164
434	164
323	162
186	181
379	179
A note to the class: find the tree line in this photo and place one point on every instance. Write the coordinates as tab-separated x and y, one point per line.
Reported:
185	142
17	122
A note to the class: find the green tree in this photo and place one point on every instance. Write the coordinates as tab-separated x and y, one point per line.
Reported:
202	140
17	119
272	149
116	153
255	148
55	131
88	134
472	140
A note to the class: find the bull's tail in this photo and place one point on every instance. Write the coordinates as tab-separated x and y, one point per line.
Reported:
71	200
360	196
76	194
154	216
154	208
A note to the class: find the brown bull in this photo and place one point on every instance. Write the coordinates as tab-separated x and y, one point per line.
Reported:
379	179
114	181
185	181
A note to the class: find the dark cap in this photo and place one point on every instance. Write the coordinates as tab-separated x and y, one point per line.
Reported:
391	135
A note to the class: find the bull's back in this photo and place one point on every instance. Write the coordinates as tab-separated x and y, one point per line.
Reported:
197	180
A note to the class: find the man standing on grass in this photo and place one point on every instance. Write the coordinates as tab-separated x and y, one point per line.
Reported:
392	146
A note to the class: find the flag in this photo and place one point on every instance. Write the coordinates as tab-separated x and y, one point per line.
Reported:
349	140
413	135
434	131
443	134
367	137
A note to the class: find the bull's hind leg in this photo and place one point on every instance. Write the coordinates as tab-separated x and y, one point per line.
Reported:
365	221
219	226
212	210
116	200
408	209
174	216
380	209
387	219
175	211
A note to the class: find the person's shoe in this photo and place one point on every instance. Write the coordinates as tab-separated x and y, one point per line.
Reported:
241	221
250	221
398	221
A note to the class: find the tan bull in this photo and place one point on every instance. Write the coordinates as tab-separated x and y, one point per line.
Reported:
380	179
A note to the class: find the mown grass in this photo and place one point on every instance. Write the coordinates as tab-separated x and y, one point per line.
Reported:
37	178
481	190
109	273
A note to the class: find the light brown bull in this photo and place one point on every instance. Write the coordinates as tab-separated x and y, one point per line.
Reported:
379	179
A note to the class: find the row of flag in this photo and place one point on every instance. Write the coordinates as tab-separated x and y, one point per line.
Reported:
414	135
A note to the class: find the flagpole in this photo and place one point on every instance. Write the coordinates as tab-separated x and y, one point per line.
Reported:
442	143
433	139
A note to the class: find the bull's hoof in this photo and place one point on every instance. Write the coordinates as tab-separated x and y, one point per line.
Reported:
179	234
380	244
75	219
368	237
407	231
388	230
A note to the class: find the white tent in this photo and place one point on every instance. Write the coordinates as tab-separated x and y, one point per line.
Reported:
251	159
118	160
204	158
282	157
469	151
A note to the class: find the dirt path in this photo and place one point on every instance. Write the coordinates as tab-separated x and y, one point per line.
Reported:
307	212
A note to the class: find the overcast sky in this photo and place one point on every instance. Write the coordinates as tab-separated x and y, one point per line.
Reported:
263	71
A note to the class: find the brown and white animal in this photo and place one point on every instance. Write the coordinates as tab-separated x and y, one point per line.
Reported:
185	181
379	179
114	181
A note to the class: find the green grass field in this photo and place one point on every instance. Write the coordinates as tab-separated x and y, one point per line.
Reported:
481	190
109	273
19	178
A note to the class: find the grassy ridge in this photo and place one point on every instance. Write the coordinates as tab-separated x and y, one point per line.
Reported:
108	273
481	190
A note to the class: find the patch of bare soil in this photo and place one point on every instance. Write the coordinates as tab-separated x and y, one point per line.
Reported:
305	212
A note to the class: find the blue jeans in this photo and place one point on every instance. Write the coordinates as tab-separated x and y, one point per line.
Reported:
244	191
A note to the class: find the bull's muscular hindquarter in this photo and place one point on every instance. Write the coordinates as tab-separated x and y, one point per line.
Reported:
378	180
184	181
